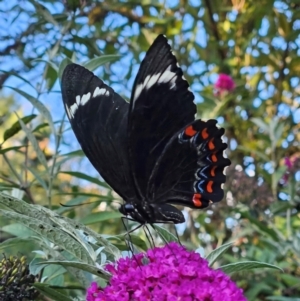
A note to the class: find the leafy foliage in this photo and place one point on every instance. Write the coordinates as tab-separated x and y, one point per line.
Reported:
257	43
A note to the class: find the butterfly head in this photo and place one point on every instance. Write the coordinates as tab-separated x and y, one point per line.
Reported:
135	211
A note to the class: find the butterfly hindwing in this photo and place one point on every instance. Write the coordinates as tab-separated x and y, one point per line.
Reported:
190	171
99	117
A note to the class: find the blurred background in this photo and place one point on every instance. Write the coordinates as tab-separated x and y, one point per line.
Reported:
242	60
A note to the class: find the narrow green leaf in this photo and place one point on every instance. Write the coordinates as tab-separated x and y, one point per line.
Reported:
54	294
246	266
290	280
77	153
165	235
17	242
38	178
73	203
38	105
53	234
47	62
215	254
40	126
295	65
5	150
18	76
251	150
16	127
261	227
101	60
278	131
34	144
284	27
99	217
277	298
261	124
51	76
19	231
83	176
93	269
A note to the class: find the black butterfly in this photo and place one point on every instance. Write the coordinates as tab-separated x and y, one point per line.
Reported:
151	151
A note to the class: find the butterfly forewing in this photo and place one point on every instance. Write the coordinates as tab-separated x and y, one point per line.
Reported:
99	118
161	104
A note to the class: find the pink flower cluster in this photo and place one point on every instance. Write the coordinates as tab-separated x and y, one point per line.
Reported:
224	83
293	164
170	273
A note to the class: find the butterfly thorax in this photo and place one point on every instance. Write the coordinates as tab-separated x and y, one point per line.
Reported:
150	212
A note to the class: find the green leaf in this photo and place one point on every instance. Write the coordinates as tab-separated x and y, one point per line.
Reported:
99	217
136	240
284	27
53	234
43	12
37	177
290	280
83	176
246	266
17	242
16	127
215	254
77	153
18	230
295	64
254	151
54	294
278	131
40	126
50	76
101	60
34	143
165	235
277	298
18	76
79	200
93	269
48	63
261	124
5	150
261	227
38	105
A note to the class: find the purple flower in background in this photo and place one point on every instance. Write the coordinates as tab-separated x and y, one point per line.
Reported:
224	83
292	163
288	162
170	273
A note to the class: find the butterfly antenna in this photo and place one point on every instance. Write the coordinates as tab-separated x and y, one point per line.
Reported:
127	236
128	241
149	236
177	236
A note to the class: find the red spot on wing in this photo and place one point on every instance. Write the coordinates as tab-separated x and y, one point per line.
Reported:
211	144
189	131
197	200
213	171
209	186
214	158
204	133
